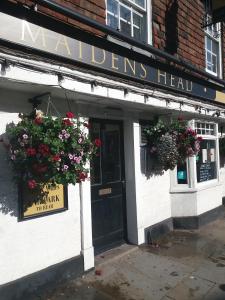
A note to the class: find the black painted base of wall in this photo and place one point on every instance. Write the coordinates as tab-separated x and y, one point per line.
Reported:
47	278
223	200
156	231
195	222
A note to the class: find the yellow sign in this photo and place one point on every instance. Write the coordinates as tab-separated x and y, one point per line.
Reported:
49	199
220	97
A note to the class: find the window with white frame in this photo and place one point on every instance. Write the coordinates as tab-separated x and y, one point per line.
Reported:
204	166
206	160
129	17
212	44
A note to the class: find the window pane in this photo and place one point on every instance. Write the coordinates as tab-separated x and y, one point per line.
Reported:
206	161
111	153
214	63
139	29
95	164
125	18
209	61
208	43
215	48
140	3
112	21
182	173
125	13
112	6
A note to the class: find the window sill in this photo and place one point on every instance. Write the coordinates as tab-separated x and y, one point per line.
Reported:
200	187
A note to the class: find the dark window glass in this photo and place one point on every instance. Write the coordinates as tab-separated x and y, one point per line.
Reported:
96	160
111	152
206	161
182	173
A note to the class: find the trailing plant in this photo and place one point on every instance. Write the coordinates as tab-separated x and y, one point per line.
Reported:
47	150
170	144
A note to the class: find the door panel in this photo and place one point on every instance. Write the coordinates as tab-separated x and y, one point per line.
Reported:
107	186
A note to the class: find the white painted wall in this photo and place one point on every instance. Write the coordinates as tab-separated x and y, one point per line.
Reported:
184	204
153	203
209	198
32	245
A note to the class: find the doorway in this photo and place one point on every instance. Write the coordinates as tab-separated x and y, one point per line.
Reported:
108	186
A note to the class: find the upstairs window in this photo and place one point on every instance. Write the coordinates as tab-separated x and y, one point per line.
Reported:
212	43
129	17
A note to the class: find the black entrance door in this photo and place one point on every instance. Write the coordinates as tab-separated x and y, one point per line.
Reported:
107	186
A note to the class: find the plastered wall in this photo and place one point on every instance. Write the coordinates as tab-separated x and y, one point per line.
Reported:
31	245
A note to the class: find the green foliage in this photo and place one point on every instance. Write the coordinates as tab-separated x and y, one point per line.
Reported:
50	150
171	143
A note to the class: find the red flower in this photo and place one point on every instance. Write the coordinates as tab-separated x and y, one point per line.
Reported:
38	121
44	149
199	138
67	122
31	152
180	118
70	115
82	176
56	157
98	142
32	184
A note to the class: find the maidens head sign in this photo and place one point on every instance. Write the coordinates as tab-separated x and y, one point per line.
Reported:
27	34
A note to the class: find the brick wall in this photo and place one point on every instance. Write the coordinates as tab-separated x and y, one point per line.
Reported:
94	9
177	29
176	25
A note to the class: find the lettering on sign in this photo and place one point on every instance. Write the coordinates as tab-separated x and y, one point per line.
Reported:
50	199
30	35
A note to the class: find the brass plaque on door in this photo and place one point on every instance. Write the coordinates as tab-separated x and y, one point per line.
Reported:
103	192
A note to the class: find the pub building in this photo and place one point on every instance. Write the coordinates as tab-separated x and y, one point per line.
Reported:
119	65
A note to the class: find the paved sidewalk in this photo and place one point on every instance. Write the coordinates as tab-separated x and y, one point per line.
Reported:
185	265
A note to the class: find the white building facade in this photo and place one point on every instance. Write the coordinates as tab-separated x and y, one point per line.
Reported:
120	202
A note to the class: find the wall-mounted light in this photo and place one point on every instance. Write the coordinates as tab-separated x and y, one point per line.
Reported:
5	66
93	85
167	102
126	92
145	99
60	79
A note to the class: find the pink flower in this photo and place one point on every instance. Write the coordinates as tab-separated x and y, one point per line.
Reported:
77	159
70	156
65	168
66	135
25	136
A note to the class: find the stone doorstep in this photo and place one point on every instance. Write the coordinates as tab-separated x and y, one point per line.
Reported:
114	254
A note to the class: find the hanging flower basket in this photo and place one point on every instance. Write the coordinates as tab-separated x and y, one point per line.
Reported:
170	144
47	150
